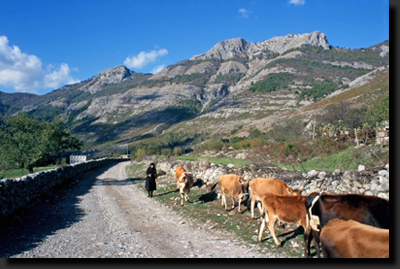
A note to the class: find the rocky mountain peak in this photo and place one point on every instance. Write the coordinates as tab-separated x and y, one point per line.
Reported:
109	76
239	47
114	75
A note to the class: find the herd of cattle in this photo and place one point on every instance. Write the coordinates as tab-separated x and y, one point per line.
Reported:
344	225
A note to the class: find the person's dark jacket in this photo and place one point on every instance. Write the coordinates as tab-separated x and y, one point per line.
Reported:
151	181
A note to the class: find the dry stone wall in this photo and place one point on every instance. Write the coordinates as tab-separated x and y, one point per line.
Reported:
369	182
17	193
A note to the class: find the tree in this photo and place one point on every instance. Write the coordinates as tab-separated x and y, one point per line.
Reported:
24	142
167	152
177	151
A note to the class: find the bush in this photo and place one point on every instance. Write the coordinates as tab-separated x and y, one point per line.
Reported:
139	154
242	144
178	151
290	131
256	142
167	152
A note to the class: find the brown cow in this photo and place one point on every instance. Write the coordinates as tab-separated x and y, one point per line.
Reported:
285	208
260	186
352	239
233	185
367	209
184	183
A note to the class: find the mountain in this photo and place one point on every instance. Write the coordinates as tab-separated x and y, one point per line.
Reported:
239	47
236	84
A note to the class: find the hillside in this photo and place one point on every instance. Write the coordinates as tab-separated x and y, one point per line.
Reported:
233	86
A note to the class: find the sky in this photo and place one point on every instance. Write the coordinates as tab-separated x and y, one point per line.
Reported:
46	44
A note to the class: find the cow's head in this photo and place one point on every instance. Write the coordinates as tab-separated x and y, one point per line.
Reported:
244	182
294	192
183	179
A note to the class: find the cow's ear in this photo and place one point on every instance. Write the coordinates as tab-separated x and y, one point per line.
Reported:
240	180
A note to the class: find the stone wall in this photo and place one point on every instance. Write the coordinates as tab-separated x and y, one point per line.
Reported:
17	193
370	182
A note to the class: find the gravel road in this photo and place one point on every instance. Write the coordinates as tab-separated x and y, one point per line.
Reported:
102	214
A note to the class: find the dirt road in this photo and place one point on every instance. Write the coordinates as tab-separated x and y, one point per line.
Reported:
104	215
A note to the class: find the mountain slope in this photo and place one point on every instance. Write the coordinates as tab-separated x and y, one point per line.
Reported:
236	83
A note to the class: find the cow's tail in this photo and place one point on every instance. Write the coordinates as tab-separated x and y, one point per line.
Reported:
215	185
249	198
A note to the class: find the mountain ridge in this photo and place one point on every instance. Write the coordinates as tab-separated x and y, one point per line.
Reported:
235	81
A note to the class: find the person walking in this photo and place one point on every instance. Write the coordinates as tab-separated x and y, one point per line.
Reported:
151	179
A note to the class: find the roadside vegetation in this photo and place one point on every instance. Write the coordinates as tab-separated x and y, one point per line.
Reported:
27	143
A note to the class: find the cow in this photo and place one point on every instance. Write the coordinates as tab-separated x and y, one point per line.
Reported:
352	239
260	186
184	183
367	209
286	208
234	186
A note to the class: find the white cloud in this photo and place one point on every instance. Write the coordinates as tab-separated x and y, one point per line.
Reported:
58	77
144	58
245	13
158	69
297	2
24	72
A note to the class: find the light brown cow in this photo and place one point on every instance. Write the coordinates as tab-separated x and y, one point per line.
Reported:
352	239
184	182
233	186
260	186
284	208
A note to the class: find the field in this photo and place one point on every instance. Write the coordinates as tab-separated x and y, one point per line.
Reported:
205	208
21	172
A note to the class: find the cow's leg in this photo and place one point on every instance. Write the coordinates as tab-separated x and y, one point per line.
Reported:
186	196
252	205
271	228
262	227
181	198
224	201
307	237
233	201
240	201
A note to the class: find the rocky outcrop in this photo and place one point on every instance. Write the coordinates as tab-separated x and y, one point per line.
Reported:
239	47
108	76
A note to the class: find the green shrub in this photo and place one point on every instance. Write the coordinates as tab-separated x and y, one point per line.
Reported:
272	83
139	154
177	151
167	152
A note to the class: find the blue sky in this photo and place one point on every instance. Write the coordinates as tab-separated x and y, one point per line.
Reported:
45	44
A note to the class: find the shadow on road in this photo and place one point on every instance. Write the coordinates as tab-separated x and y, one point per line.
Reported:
114	182
165	193
286	236
29	226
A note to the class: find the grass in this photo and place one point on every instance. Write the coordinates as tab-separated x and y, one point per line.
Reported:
22	172
348	159
205	209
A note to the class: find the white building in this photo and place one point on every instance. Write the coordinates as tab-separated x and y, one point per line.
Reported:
77	159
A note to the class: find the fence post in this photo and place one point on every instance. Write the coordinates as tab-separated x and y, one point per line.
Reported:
313	130
355	133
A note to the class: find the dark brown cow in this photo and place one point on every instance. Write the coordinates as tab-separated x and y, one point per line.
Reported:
260	186
323	207
351	239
